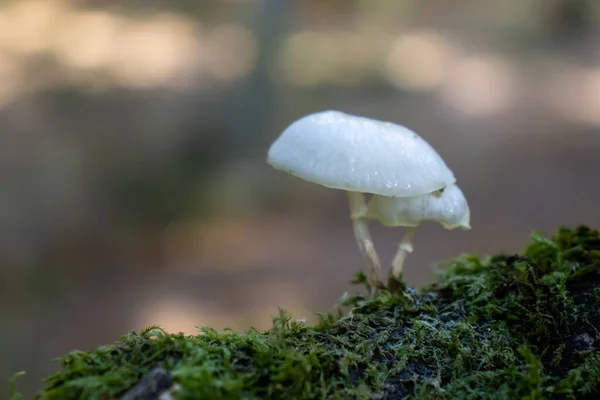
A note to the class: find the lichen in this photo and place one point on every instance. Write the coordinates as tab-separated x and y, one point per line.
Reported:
519	326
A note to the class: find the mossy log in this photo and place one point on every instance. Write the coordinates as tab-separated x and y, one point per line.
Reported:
520	326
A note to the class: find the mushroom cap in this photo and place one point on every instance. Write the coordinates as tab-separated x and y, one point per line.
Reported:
359	154
450	208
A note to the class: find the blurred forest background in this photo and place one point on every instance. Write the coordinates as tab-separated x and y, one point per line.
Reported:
133	138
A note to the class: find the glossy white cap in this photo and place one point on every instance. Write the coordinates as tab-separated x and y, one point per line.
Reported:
449	208
359	154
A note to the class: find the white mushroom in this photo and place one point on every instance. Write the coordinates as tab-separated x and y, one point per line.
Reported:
360	155
448	206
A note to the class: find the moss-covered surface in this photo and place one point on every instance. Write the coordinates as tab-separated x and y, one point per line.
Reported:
507	327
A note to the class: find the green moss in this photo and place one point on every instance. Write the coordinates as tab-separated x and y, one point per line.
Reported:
520	326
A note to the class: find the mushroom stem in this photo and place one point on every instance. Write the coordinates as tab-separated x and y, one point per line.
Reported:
358	209
404	247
